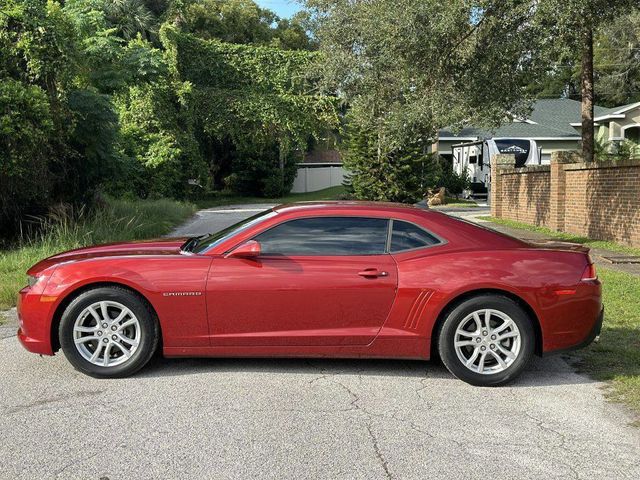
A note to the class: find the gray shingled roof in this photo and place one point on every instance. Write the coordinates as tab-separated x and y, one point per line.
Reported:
552	117
599	111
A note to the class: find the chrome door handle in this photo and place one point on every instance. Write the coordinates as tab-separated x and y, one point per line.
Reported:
373	272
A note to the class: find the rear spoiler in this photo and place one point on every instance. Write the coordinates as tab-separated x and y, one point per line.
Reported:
555	245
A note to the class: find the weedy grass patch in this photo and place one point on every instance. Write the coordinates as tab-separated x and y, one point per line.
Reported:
117	220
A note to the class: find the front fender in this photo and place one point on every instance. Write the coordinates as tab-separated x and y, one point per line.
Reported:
183	318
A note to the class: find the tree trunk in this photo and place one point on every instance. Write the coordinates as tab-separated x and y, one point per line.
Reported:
586	86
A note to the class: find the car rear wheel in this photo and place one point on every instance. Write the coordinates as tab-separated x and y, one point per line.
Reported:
486	340
108	332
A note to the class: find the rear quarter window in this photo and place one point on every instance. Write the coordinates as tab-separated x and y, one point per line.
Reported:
407	236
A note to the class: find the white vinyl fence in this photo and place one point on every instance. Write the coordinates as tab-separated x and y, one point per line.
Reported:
317	176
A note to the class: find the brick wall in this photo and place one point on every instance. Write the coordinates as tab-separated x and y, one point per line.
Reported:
603	201
597	200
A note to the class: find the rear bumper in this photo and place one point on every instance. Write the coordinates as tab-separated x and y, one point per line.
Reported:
588	340
594	333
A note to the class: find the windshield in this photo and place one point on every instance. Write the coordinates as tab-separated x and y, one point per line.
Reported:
213	239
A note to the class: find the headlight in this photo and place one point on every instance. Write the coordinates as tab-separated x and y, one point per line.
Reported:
31	280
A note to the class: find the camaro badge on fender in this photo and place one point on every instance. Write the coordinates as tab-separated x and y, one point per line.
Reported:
181	294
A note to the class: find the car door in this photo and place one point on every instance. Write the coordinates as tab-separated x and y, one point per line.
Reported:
318	281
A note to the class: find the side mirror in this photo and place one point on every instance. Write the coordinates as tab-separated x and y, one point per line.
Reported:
249	249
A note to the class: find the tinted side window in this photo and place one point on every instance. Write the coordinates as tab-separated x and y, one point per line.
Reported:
326	236
406	236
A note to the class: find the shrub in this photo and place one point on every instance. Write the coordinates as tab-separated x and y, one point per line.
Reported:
259	173
94	137
454	182
25	127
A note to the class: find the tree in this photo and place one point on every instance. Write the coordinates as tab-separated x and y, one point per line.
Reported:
569	26
403	175
25	129
242	21
233	21
136	103
617	61
40	161
255	101
130	18
559	79
616	65
60	68
292	34
407	68
157	134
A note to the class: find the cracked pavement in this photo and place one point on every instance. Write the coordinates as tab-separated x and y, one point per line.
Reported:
316	419
320	419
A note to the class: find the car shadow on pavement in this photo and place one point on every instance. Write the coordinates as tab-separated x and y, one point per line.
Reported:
548	371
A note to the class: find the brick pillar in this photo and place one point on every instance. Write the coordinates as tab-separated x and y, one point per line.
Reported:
557	188
498	162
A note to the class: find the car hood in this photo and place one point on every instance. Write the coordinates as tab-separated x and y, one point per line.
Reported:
163	246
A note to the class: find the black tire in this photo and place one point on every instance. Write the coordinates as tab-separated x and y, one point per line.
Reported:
446	339
149	332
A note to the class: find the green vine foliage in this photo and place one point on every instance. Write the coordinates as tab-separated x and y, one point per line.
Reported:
157	136
259	98
56	136
94	96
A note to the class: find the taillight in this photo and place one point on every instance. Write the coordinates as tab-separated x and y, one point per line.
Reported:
589	273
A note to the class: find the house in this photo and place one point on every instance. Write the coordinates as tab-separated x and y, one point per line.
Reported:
617	125
321	168
554	125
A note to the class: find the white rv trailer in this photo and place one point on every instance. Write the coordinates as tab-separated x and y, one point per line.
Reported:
474	158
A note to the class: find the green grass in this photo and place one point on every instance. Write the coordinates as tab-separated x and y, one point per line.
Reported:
459	202
616	358
221	199
117	220
567	237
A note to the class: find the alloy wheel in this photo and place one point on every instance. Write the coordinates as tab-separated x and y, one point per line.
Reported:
106	333
487	341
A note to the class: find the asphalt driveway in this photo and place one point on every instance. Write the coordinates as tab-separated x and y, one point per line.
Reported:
213	219
239	418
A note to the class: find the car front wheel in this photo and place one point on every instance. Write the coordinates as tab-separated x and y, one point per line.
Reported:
486	340
108	332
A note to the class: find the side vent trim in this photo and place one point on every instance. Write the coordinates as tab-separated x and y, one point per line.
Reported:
417	309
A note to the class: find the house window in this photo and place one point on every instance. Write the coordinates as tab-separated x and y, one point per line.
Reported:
632	134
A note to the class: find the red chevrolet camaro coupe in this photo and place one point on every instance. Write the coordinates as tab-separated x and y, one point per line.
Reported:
332	279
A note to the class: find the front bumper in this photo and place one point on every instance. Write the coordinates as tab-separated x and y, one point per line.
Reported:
34	317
